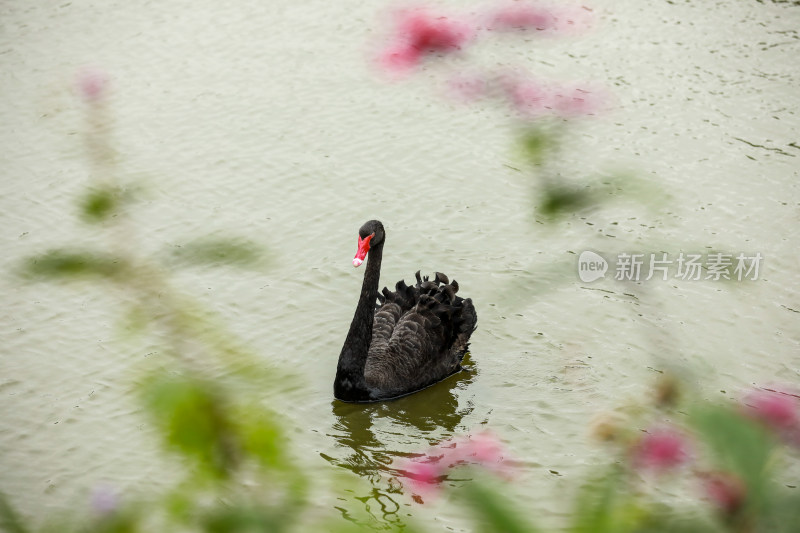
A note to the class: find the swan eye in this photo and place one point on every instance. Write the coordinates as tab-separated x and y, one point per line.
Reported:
363	248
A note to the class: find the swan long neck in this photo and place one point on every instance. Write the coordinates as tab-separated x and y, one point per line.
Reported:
350	382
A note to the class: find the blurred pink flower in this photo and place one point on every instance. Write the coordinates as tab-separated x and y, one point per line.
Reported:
467	87
571	101
483	449
527	97
778	410
92	84
530	16
521	16
400	58
419	32
424	476
661	450
532	98
725	490
426	32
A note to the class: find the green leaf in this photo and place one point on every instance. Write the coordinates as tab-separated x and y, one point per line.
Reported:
100	203
538	144
9	520
558	200
66	263
116	523
246	520
219	251
262	436
596	504
785	515
494	511
194	421
738	443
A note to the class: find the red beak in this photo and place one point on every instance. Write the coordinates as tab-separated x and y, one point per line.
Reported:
363	248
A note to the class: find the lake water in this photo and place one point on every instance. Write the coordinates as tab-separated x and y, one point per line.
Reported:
265	120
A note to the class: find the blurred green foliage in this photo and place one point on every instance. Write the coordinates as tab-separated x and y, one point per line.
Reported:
737	445
557	196
73	263
10	521
216	252
100	203
557	200
194	420
492	511
539	143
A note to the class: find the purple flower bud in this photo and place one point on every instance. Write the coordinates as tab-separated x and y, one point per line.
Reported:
104	499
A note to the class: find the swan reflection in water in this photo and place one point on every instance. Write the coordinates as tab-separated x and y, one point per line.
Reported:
374	436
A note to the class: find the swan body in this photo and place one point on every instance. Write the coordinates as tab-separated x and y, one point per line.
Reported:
404	340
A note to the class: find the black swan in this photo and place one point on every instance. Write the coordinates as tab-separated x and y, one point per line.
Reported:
403	341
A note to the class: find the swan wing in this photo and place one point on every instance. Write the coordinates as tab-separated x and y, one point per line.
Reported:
420	335
409	359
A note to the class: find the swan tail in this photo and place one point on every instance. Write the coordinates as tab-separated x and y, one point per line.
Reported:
468	319
404	296
466	323
448	317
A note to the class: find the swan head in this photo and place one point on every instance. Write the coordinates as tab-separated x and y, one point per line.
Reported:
371	234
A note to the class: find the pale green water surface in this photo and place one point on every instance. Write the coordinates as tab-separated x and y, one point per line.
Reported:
265	120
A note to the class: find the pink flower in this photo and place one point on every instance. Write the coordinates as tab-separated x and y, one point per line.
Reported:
531	17
575	101
418	33
482	449
467	87
776	409
725	490
400	58
92	84
428	33
661	450
532	99
424	476
520	16
527	97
